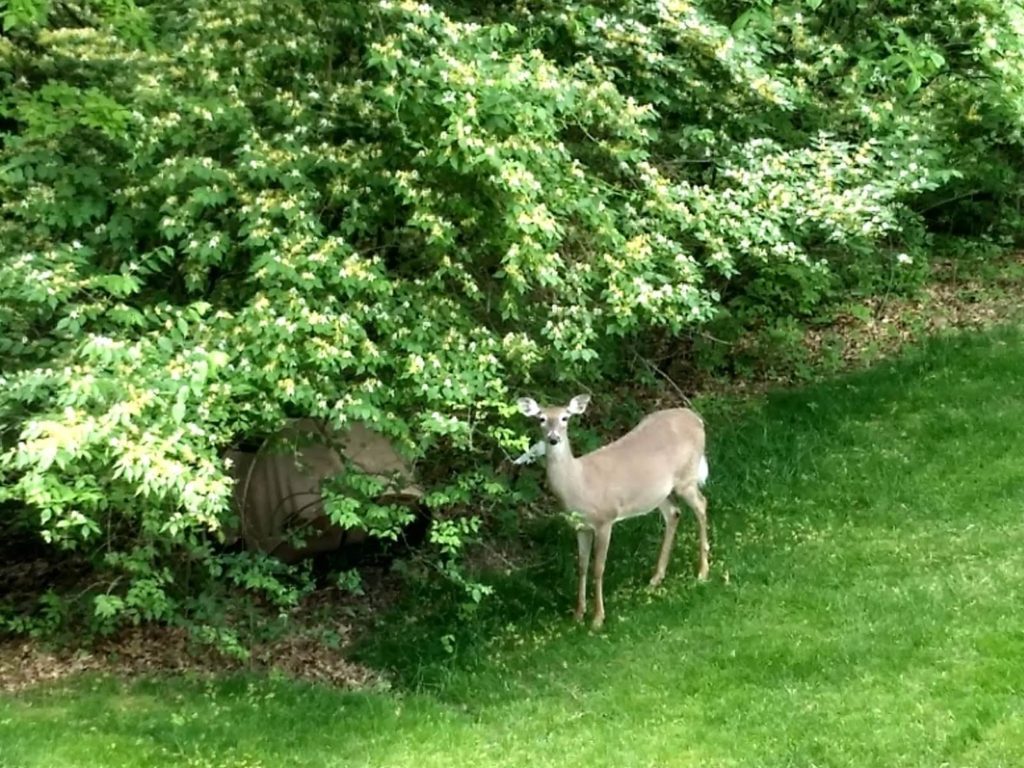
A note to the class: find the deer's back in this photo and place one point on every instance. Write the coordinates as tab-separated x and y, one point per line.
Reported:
633	474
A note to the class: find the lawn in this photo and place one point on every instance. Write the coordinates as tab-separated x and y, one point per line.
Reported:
865	609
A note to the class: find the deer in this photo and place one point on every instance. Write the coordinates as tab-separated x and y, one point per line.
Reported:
661	457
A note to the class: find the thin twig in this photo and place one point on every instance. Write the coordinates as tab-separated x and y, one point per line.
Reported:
955	198
665	376
709	337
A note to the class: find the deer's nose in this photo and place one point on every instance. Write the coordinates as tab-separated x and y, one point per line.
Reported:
553	438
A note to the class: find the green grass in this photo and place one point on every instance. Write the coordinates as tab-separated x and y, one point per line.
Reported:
865	609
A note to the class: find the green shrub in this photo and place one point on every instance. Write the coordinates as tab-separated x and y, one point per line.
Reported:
220	215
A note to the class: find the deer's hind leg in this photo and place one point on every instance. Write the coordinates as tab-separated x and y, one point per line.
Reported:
695	500
670	513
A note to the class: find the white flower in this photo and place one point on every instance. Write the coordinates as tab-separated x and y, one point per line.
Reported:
903	258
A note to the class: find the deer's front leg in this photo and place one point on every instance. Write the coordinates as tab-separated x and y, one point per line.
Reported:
603	537
584	543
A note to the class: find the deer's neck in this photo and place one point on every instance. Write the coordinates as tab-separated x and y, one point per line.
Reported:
565	474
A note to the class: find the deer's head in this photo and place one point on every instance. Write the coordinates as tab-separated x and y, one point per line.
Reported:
553	420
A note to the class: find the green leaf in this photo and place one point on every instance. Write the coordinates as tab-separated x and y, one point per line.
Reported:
107	606
180	404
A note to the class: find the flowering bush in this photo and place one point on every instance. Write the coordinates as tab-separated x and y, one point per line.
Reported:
220	215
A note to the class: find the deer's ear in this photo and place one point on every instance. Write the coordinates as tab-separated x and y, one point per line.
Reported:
578	404
528	406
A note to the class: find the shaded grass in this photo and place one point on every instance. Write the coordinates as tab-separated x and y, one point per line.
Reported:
868	569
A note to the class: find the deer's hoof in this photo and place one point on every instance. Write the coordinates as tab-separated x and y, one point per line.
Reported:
703	575
597	623
577	616
655	581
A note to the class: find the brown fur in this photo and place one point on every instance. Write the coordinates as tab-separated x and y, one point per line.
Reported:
631	476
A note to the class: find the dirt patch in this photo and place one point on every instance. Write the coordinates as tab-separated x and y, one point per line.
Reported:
893	323
877	328
316	648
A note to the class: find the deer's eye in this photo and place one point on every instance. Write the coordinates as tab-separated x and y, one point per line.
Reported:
564	419
541	419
